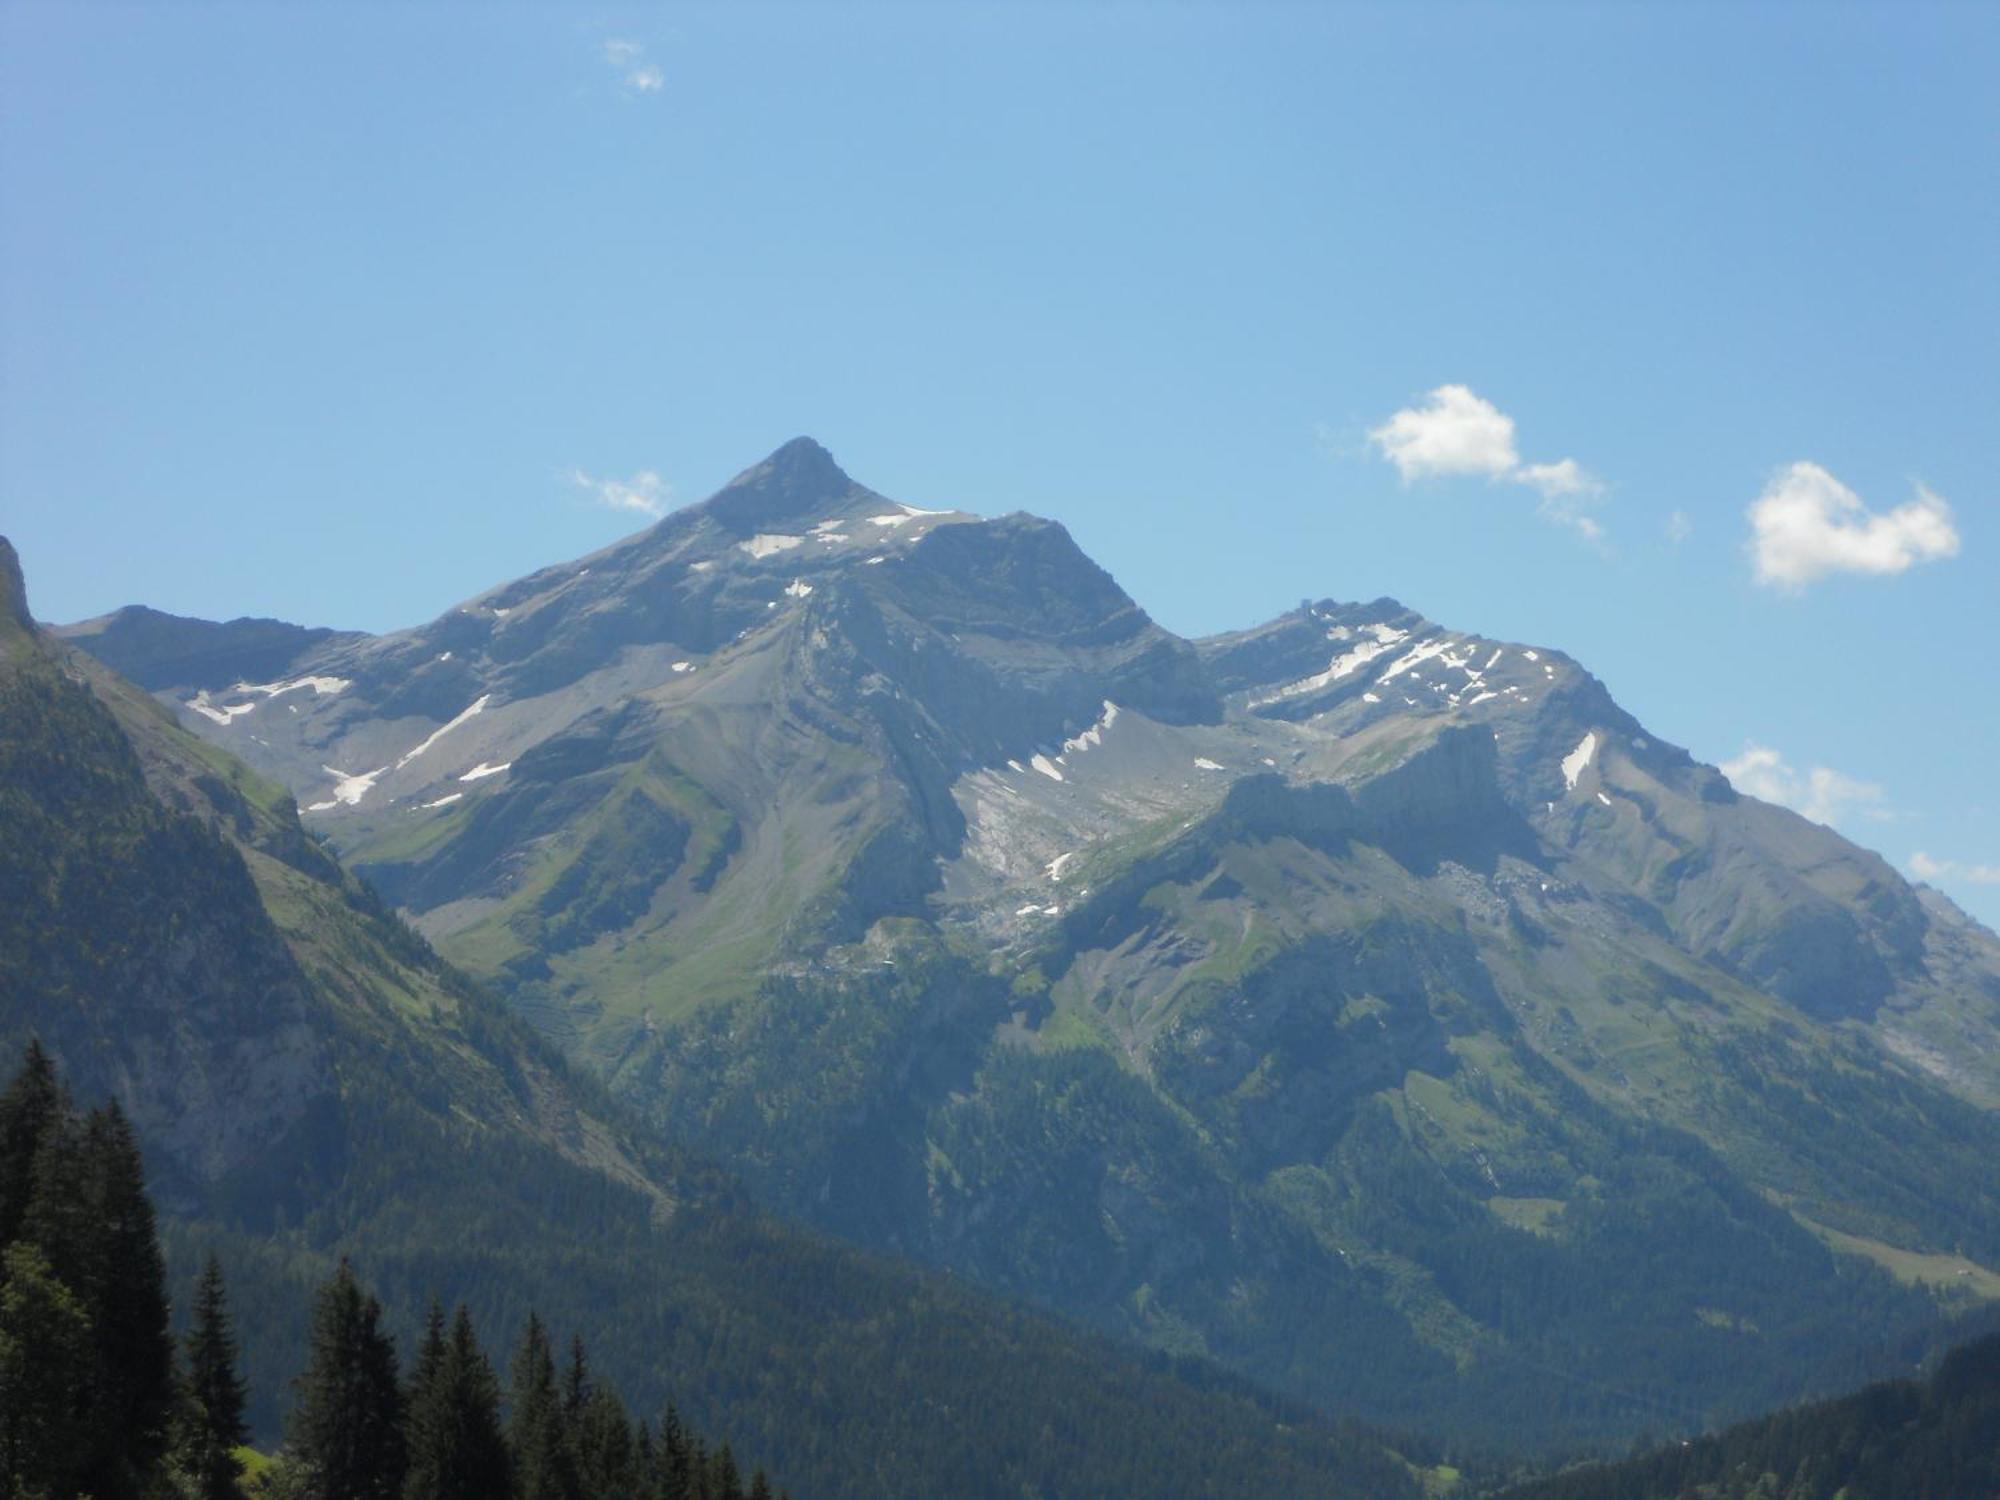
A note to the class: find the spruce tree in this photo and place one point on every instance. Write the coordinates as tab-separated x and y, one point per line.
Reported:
90	1215
47	1370
725	1479
346	1436
32	1103
677	1462
535	1429
457	1450
601	1442
213	1426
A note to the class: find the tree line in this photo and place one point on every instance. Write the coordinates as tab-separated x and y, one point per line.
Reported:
98	1398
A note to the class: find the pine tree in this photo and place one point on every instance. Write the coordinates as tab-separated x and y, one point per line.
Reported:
346	1439
213	1426
47	1369
725	1479
32	1103
601	1440
576	1382
677	1464
91	1215
457	1450
542	1468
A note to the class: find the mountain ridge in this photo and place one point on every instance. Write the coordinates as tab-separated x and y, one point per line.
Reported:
872	847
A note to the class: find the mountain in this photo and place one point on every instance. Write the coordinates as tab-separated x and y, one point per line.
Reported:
1372	1006
311	1082
1935	1439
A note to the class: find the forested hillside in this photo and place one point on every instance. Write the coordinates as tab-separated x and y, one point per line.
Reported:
1934	1439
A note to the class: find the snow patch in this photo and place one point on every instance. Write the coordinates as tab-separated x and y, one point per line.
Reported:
483	770
1481	699
1341	666
347	790
1203	763
1574	762
1604	799
444	801
1095	734
1047	767
701	567
323	687
439	733
798	588
221	714
1418	657
1370	698
874	560
768	544
1056	865
683	666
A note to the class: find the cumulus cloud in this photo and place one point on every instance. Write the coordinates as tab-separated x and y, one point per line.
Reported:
1808	524
628	60
1924	867
1818	792
1456	432
645	492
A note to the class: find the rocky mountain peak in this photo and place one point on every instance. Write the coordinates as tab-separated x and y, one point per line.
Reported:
798	479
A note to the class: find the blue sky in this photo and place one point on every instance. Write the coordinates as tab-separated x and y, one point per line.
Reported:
319	311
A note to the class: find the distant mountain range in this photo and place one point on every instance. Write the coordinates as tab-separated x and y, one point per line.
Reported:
1373	1007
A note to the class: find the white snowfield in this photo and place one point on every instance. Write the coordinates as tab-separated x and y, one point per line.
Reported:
347	790
444	729
798	588
483	770
1573	763
769	543
202	704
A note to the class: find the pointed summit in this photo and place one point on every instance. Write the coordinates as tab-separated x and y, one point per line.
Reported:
797	479
13	588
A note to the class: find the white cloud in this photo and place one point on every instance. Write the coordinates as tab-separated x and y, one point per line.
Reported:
1679	527
1924	867
1458	432
1455	432
645	492
627	58
1807	524
1819	793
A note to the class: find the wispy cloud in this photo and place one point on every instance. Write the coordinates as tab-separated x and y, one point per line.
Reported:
1924	867
645	492
1819	792
1456	433
628	60
1808	524
1679	527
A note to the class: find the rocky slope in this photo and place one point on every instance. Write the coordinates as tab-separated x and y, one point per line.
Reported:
1375	1006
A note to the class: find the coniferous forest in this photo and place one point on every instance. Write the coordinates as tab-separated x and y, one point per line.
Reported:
99	1398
